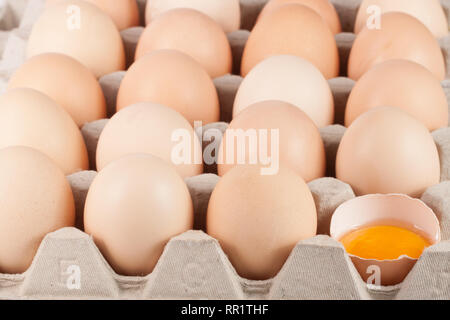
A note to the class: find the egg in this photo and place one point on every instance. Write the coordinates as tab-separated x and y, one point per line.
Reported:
403	84
385	231
386	150
125	13
393	41
258	219
293	29
429	12
30	118
81	30
133	208
67	82
290	79
36	200
225	12
282	133
154	129
323	7
190	32
173	79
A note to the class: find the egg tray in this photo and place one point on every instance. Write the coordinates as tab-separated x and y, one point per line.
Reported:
68	265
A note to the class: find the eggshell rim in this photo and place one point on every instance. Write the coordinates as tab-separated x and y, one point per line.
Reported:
341	209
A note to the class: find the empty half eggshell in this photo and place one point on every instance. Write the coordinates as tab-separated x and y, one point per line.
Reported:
81	30
125	13
30	118
193	33
393	41
290	79
258	219
36	199
323	7
153	129
173	79
293	29
270	134
390	209
429	12
386	150
227	13
133	208
65	80
403	84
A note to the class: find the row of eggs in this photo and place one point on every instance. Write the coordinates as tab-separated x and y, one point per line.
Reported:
227	14
29	117
33	119
403	133
139	202
296	27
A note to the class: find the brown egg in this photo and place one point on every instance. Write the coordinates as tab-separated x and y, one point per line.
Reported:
82	31
154	129
30	118
429	12
296	30
393	41
190	32
226	13
133	208
258	219
386	150
323	7
282	133
173	79
125	13
66	81
36	199
290	79
403	84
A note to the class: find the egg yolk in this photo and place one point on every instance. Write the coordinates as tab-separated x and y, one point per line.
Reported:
384	243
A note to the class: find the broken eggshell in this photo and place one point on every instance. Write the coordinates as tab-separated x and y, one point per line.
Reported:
392	209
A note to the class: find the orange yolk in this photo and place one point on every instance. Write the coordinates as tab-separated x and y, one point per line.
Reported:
384	243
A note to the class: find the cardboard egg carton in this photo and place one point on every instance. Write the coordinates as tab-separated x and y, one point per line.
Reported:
68	265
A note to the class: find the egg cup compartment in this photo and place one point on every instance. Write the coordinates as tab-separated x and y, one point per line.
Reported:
438	199
442	139
12	14
68	264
